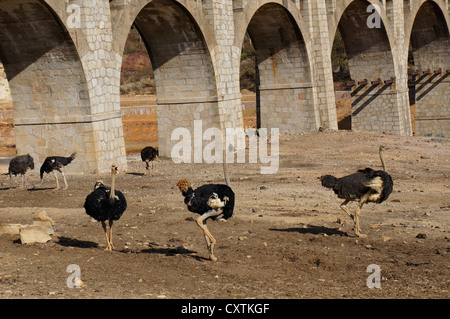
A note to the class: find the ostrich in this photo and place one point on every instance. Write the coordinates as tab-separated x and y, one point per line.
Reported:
210	201
214	201
19	165
57	163
148	154
106	204
364	186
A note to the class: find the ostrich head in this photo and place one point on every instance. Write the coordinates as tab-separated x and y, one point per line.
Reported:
30	161
114	169
183	185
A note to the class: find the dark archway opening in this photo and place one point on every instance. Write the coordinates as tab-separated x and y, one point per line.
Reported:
282	81
363	70
341	79
138	95
428	73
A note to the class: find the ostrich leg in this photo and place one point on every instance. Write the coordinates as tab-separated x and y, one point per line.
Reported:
108	245
57	182
64	177
210	240
110	233
357	213
345	209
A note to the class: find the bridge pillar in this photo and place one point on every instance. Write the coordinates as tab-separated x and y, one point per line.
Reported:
321	63
226	61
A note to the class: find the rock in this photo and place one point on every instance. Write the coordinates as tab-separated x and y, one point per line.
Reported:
33	234
10	229
42	216
421	236
46	225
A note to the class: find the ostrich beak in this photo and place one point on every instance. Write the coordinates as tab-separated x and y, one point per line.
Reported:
115	168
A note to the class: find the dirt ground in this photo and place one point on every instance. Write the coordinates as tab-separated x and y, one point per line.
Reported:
288	238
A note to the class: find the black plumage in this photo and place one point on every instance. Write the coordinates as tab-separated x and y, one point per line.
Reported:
56	163
148	154
19	165
197	200
355	186
100	206
211	201
106	204
364	186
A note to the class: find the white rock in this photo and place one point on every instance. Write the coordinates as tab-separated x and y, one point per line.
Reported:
33	234
10	229
46	225
42	216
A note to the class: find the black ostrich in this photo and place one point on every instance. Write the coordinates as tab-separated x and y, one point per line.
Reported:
19	165
106	204
214	201
148	154
56	163
364	186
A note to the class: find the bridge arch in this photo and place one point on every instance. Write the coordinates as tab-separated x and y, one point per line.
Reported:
428	36
182	65
342	6
50	94
376	105
284	74
438	9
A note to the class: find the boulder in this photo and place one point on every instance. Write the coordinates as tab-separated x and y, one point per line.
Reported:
33	234
10	229
46	225
42	216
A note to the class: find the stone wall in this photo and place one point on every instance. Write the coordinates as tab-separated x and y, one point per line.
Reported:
433	104
65	85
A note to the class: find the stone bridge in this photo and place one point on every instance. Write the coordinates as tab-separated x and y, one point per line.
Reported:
63	62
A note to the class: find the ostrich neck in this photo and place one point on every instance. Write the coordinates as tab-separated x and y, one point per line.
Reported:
382	161
113	186
225	168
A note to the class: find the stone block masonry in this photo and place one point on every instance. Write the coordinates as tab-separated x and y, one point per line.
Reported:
63	68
